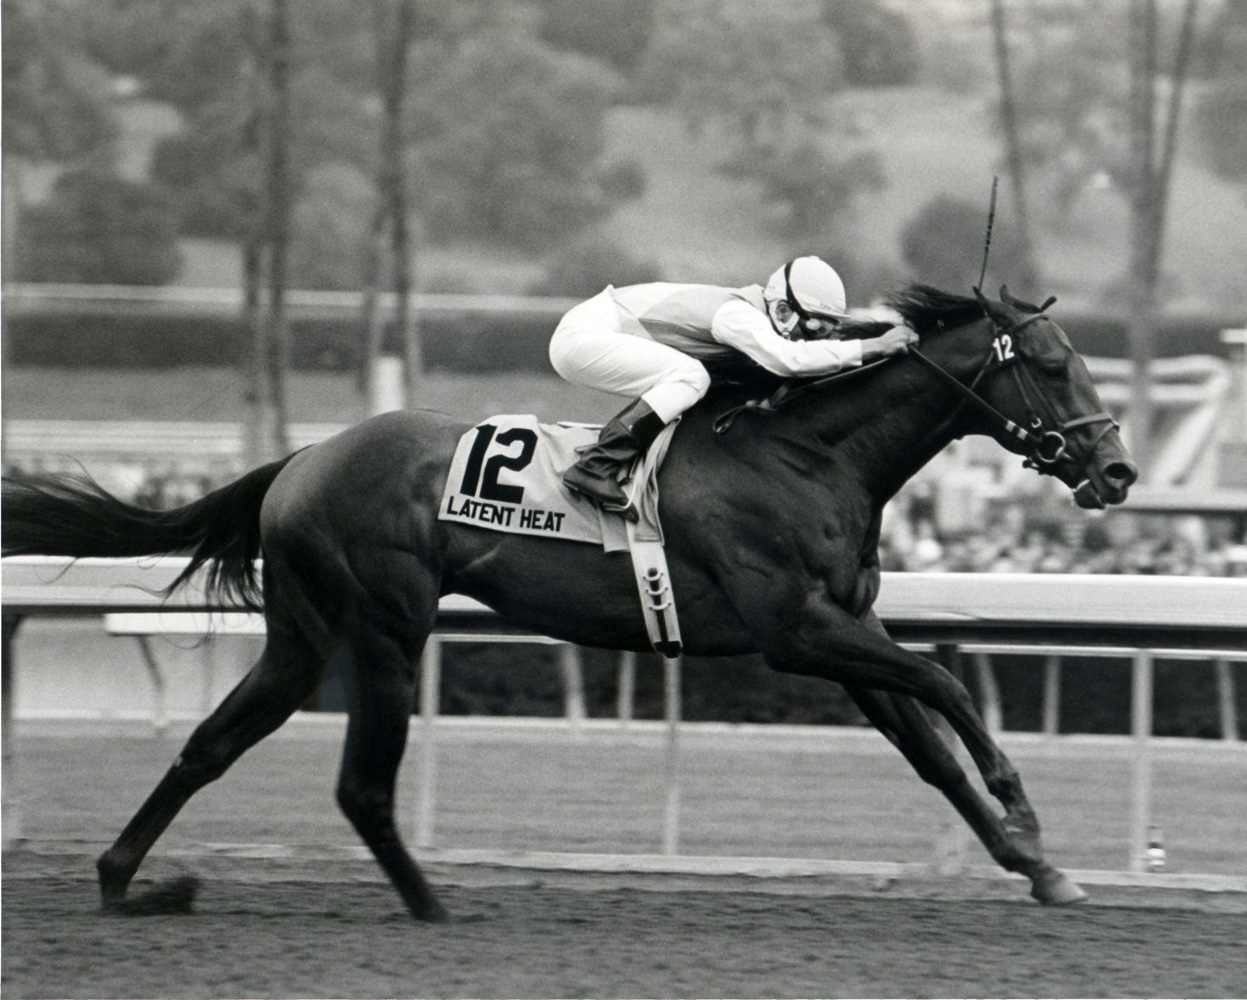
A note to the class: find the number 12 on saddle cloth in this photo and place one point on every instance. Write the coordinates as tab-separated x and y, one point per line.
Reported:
507	475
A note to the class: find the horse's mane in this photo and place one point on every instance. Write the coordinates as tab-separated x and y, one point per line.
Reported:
924	307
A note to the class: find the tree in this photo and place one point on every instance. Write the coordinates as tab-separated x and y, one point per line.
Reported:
193	54
1221	115
877	43
271	247
588	264
1153	143
756	77
328	226
508	135
1111	109
387	239
733	66
1013	143
212	165
99	229
55	96
943	245
504	133
1070	105
614	31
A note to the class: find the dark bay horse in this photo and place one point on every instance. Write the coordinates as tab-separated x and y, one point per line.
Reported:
772	522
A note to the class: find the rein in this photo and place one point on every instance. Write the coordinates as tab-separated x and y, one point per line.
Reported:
785	394
1046	449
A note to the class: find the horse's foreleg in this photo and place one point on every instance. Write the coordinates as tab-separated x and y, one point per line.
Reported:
381	692
831	643
278	683
903	721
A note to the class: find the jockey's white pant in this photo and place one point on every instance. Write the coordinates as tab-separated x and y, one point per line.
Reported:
589	348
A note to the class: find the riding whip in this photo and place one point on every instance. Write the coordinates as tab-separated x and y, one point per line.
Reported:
987	239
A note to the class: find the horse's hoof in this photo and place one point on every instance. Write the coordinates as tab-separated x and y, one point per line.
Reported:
172	897
1055	888
435	915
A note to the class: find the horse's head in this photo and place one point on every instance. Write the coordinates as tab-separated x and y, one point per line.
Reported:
1041	402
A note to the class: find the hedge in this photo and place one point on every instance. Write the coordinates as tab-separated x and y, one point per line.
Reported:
460	343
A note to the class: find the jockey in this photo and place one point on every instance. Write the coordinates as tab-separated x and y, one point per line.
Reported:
648	341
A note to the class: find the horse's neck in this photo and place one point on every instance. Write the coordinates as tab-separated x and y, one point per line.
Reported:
889	429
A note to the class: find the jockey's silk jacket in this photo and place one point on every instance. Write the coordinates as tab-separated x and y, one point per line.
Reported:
709	322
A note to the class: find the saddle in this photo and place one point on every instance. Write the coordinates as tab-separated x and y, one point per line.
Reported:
507	475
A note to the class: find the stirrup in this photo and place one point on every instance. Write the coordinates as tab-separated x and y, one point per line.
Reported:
586	490
608	504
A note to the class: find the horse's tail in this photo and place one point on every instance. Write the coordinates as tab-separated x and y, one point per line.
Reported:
73	515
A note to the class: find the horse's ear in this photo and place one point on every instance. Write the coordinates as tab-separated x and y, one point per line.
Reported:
1008	298
983	302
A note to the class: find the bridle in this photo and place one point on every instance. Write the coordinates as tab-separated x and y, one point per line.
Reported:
1045	433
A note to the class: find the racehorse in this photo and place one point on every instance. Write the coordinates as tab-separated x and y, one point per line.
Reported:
771	509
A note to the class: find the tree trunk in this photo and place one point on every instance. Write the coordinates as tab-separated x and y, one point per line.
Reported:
1151	175
1143	254
382	386
372	324
258	447
10	191
278	216
406	318
1030	278
387	251
372	321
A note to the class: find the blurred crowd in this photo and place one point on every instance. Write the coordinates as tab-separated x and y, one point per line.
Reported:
1026	537
1020	534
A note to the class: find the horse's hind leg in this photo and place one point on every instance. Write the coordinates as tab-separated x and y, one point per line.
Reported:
904	722
279	682
381	696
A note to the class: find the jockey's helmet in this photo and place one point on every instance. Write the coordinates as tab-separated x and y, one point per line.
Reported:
805	298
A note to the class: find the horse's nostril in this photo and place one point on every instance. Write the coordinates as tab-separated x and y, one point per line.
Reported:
1121	473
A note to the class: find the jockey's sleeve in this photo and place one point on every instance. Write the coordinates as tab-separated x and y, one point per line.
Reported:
738	324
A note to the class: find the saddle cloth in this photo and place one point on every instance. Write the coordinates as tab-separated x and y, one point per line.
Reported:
507	475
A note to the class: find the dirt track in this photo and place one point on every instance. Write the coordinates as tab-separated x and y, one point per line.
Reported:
316	929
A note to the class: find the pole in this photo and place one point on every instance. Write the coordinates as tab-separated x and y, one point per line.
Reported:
1051	695
672	711
426	781
989	692
1225	699
12	805
626	696
573	687
1141	728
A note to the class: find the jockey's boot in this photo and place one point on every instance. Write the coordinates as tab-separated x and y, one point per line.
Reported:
627	436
